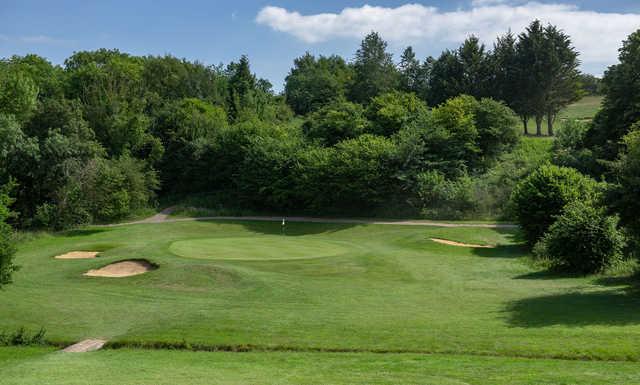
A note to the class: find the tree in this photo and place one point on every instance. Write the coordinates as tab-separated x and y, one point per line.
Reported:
445	78
18	92
313	83
335	122
590	85
532	64
548	64
563	81
476	71
7	248
509	78
625	191
412	74
496	129
241	85
621	105
389	112
375	72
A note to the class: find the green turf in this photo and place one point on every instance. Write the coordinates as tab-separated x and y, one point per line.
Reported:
383	288
264	247
115	367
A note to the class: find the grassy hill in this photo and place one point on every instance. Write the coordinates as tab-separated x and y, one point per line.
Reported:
358	289
584	109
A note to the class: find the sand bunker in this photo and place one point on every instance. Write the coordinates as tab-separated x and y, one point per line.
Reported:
89	345
78	255
122	269
459	244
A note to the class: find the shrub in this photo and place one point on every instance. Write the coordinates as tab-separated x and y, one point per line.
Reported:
582	240
442	198
568	146
7	247
540	197
22	337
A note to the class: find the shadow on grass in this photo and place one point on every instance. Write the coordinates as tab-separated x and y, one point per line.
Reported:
517	248
294	228
612	307
81	232
503	251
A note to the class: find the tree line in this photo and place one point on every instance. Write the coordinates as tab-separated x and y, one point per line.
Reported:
535	73
107	134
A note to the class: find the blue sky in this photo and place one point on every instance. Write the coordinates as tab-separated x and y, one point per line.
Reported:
273	33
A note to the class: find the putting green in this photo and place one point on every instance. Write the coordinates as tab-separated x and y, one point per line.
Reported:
268	247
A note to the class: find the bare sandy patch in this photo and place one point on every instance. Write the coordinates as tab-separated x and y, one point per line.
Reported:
89	345
122	269
460	244
78	255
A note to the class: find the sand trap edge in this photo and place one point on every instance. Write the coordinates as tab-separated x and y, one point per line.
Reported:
122	269
78	255
460	244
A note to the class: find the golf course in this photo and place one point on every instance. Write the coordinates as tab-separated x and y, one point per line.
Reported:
320	193
314	303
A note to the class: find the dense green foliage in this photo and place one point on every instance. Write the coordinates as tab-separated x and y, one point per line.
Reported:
541	197
621	105
582	240
7	247
625	193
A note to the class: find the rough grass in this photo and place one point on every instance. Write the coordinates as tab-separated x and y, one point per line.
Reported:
388	289
584	109
29	366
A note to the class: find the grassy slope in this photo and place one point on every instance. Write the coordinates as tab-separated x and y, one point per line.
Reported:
35	366
584	109
387	288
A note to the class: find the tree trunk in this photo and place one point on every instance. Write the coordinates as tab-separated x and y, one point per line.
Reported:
539	125
550	120
525	123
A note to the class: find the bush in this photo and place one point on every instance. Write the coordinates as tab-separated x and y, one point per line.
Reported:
22	337
7	247
442	198
540	197
493	188
582	240
568	146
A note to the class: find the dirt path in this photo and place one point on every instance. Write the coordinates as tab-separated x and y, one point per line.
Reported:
163	217
85	346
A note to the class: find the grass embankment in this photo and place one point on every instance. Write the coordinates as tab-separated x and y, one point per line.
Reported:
584	109
355	288
28	366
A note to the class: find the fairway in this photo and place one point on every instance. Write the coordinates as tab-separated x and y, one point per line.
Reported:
31	366
320	287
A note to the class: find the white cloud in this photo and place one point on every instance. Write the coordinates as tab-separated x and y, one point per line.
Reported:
482	3
33	39
596	35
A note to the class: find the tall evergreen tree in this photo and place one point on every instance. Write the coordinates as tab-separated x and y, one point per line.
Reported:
241	83
411	72
562	84
475	66
506	76
532	61
375	72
